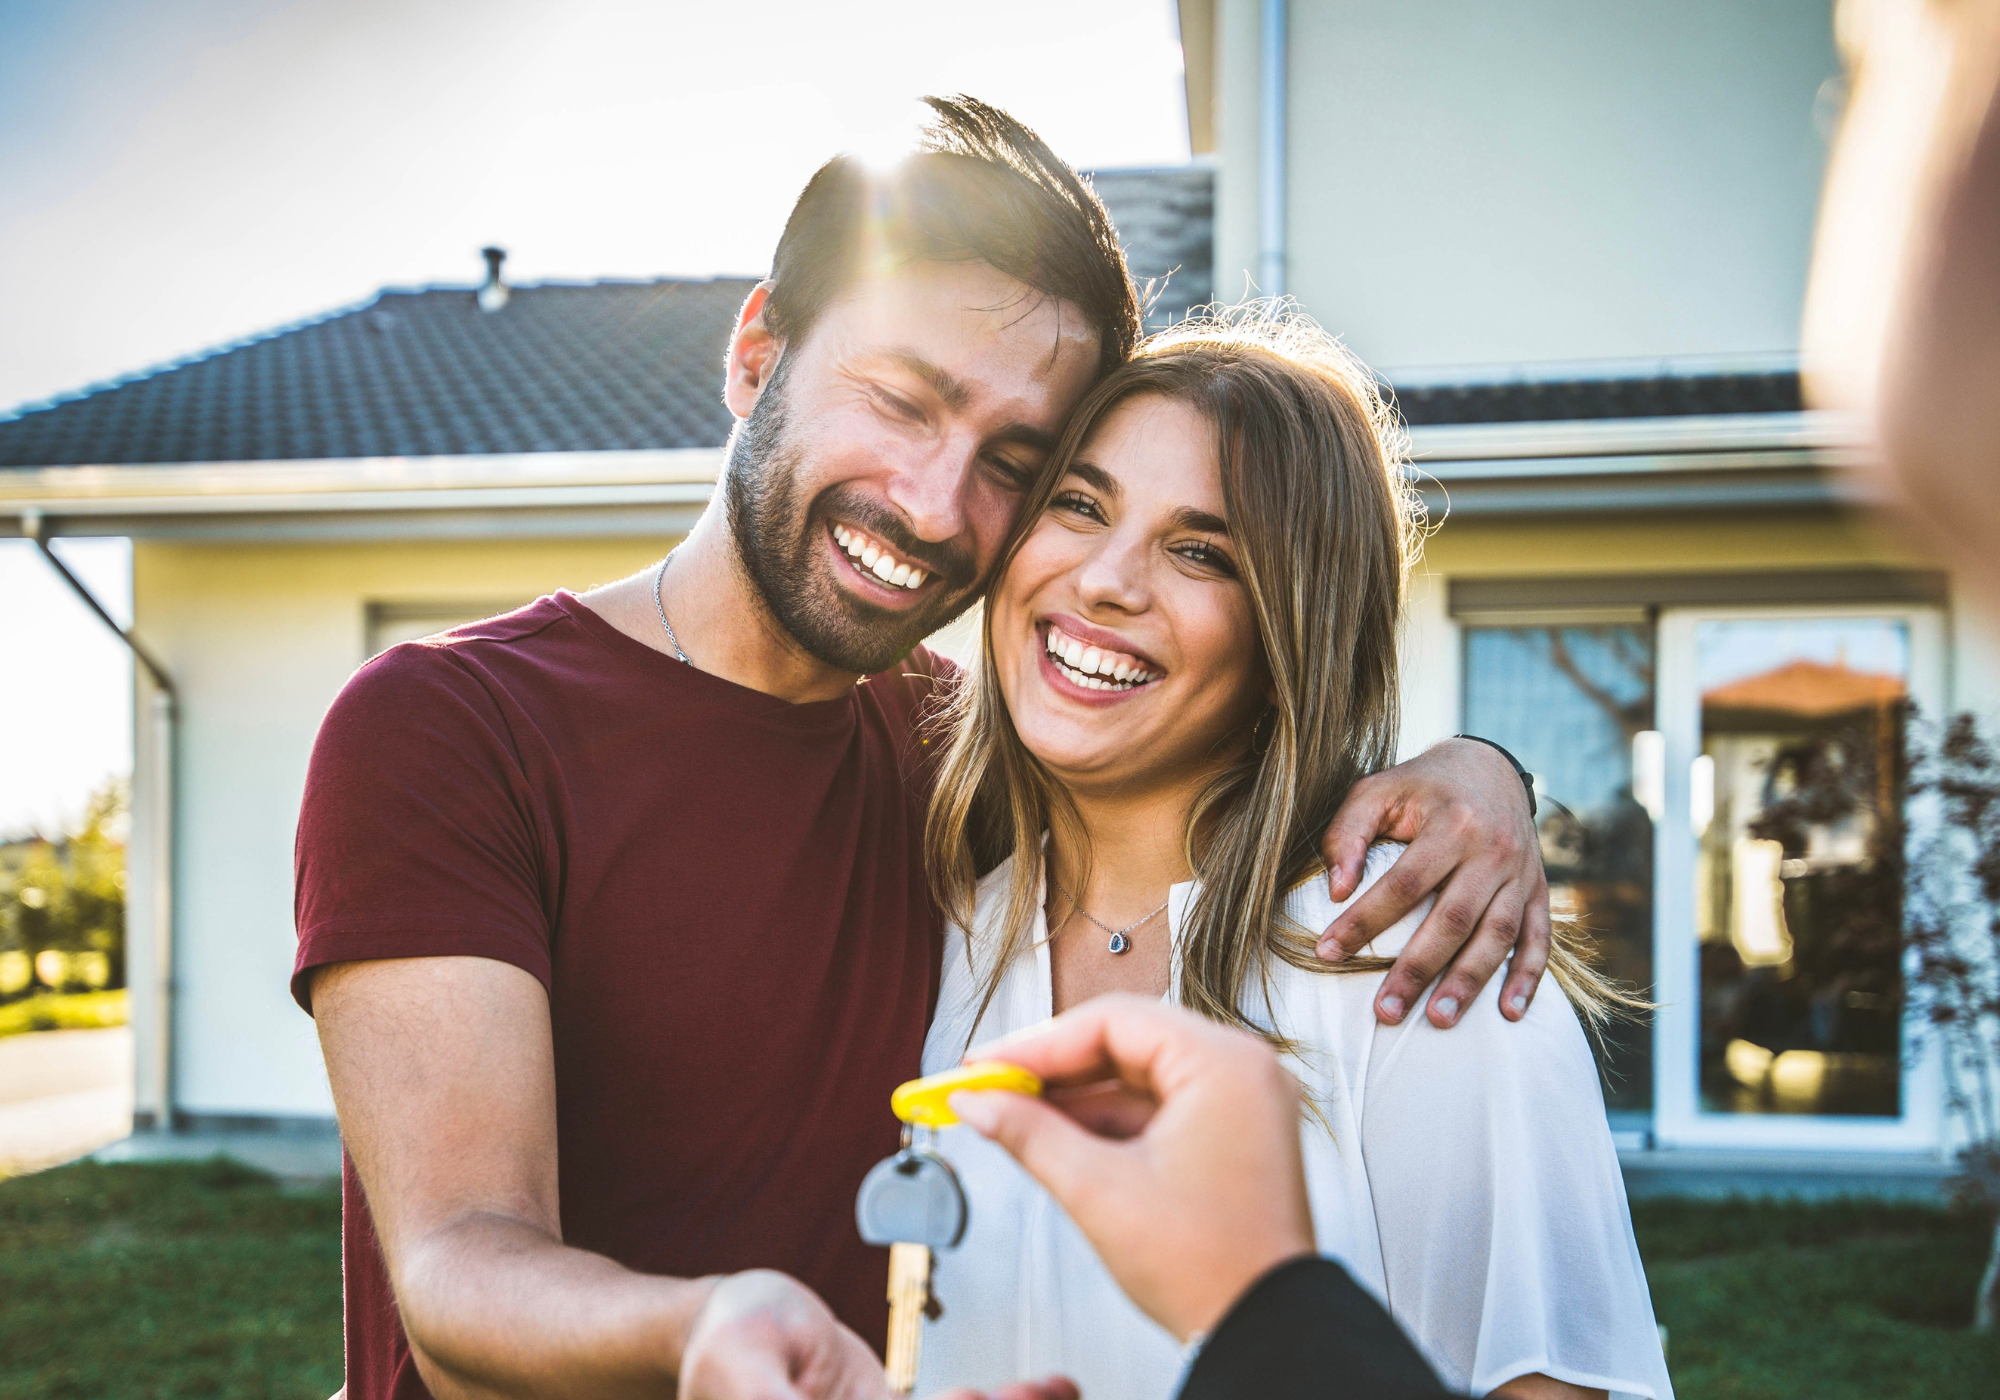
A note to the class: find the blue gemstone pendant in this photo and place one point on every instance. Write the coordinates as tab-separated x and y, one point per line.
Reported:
1119	942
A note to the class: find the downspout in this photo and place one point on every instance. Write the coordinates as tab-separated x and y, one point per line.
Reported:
159	1091
1273	65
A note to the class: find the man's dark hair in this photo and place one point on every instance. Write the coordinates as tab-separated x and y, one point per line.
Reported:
980	187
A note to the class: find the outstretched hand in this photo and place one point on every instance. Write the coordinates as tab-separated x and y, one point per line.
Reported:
763	1335
1172	1142
1472	843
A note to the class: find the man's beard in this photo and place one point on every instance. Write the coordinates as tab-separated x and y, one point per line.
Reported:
780	541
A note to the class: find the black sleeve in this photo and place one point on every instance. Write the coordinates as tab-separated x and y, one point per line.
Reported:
1307	1329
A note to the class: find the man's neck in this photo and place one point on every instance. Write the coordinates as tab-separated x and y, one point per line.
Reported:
719	618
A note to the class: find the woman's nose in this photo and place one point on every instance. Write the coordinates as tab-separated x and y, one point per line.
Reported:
1114	576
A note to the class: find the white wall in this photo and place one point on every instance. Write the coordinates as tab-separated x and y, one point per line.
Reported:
1480	183
260	639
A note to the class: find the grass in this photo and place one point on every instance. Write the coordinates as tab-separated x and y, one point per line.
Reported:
65	1011
1835	1300
164	1281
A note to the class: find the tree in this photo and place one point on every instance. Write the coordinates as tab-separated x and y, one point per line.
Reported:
1952	923
66	895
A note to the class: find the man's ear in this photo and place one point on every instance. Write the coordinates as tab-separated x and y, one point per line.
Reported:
753	354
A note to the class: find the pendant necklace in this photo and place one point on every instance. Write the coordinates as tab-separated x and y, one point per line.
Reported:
1119	941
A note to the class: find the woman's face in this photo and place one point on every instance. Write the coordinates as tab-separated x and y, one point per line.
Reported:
1122	635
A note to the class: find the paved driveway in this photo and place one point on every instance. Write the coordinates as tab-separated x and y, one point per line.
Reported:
62	1094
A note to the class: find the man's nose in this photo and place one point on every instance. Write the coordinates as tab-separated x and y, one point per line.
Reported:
930	490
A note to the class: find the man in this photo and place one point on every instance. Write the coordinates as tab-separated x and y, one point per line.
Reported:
611	911
1173	1143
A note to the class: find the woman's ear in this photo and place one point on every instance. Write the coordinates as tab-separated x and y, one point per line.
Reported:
753	354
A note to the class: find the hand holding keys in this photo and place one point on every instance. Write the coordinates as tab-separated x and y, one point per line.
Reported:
912	1202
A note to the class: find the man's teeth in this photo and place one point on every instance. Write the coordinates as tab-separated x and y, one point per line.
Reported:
877	560
1093	668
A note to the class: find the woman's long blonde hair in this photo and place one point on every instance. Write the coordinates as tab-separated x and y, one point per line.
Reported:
1325	523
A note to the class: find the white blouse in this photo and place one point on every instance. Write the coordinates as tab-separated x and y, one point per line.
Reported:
1469	1182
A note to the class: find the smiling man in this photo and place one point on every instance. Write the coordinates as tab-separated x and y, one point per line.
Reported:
612	912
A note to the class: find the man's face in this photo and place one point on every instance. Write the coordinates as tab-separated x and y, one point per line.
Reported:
874	481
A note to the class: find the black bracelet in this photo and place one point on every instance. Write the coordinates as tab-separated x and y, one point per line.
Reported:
1527	778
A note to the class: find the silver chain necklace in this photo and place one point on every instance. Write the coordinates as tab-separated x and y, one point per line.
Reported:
1119	942
661	608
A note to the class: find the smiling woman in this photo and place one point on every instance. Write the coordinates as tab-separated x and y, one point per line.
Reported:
1190	656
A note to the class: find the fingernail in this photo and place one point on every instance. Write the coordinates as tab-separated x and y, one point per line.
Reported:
1446	1007
1520	1002
1392	1007
973	1107
1331	951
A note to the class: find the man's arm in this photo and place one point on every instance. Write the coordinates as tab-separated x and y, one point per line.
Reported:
1461	807
443	1074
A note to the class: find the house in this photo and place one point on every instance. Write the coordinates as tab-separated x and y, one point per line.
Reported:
1574	240
303	499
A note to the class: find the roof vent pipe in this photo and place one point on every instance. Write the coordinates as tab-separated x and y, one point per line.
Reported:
493	292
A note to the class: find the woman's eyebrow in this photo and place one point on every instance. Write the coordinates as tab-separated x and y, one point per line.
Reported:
1096	478
1200	521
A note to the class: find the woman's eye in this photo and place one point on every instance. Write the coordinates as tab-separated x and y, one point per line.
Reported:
1208	557
1078	503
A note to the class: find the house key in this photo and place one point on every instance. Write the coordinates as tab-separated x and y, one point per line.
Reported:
912	1202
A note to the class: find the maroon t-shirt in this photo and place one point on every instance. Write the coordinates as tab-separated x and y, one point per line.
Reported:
722	893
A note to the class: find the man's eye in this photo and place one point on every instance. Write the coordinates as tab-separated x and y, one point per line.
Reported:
1012	475
899	406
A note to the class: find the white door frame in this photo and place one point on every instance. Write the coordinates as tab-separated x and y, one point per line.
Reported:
1678	1120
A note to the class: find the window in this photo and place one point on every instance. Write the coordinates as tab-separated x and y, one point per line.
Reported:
1568	699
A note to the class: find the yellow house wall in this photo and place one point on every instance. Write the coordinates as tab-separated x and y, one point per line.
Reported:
259	639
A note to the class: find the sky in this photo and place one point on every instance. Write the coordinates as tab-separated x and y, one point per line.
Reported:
175	176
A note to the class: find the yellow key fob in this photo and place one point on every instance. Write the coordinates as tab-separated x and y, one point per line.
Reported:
922	1101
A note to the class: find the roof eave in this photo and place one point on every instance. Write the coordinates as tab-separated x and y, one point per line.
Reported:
1771	461
510	494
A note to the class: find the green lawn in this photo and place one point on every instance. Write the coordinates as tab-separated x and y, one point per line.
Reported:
170	1280
1830	1301
65	1011
165	1281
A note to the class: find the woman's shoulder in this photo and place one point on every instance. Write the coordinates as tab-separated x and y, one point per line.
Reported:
1312	905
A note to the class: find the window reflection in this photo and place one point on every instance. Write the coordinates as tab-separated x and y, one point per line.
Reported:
1798	787
1567	701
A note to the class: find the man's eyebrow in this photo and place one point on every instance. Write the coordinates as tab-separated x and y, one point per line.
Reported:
946	385
956	394
1028	435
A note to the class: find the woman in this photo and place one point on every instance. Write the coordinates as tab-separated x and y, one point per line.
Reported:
1190	656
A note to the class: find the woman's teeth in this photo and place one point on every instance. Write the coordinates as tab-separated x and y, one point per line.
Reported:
870	555
1093	668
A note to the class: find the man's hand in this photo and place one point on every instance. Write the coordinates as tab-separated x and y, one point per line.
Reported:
1472	841
764	1335
1172	1142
